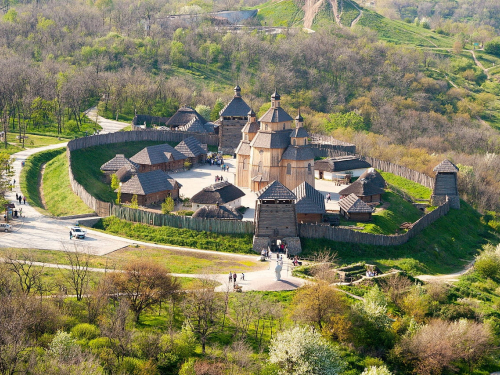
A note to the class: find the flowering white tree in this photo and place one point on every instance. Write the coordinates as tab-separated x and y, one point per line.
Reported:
377	370
301	351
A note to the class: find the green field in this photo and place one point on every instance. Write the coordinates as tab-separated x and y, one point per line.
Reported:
284	13
34	140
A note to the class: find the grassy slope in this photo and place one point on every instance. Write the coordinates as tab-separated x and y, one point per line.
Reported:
34	140
86	164
282	13
60	200
31	173
417	191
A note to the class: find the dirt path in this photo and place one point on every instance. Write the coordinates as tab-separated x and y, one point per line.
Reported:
447	278
359	16
478	63
311	8
40	186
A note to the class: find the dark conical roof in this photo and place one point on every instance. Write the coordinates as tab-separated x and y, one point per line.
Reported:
446	166
251	113
299	117
275	190
374	177
237	91
362	188
275	95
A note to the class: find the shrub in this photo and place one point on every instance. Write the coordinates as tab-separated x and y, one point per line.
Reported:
131	366
99	343
493	47
85	331
488	262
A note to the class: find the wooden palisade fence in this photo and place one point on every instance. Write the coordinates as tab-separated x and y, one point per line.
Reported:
349	235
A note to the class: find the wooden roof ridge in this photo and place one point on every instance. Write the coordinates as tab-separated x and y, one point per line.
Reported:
352	204
446	166
217	212
117	162
309	200
149	182
372	175
218	193
362	187
275	190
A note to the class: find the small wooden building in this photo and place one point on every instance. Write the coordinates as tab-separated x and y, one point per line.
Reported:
119	161
183	116
217	212
353	208
445	184
364	190
219	194
372	175
328	169
163	157
150	187
194	150
309	205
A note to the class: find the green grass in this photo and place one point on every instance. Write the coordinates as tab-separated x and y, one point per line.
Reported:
349	13
443	247
86	164
60	200
388	220
31	172
284	13
11	149
324	17
177	237
417	191
399	32
34	140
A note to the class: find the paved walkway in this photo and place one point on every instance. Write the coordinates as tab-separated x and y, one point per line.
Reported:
108	126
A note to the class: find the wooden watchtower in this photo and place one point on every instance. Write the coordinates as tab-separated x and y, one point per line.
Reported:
275	218
445	185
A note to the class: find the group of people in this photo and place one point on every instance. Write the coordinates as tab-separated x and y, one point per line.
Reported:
371	273
296	261
220	179
215	159
234	276
224	167
20	198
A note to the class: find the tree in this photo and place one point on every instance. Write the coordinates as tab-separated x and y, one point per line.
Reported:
115	182
144	283
6	174
302	351
218	106
28	274
487	263
167	206
316	303
78	274
377	370
204	310
493	47
133	202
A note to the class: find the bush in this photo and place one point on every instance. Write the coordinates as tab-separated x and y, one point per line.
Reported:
85	331
493	47
488	263
99	343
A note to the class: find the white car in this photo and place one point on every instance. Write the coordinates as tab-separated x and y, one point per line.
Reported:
78	232
6	227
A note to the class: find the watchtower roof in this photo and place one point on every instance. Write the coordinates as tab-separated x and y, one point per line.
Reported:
309	200
446	166
275	190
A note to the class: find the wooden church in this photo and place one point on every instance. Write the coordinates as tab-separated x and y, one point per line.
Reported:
271	150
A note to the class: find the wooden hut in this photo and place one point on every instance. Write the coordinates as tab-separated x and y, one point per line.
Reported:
150	187
328	169
445	184
221	193
364	190
183	116
353	208
372	175
309	205
194	150
113	165
217	212
163	157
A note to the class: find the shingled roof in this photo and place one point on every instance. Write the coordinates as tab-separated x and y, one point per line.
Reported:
352	204
280	139
299	132
298	153
219	193
275	114
149	182
275	190
116	163
236	107
341	164
183	116
251	127
362	188
446	166
217	212
374	177
191	147
243	148
309	200
194	125
126	172
157	154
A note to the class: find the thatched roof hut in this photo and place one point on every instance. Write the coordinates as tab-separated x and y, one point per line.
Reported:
363	189
374	177
217	212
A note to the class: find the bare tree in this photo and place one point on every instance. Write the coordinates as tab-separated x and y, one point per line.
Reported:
28	274
115	327
204	310
78	259
396	286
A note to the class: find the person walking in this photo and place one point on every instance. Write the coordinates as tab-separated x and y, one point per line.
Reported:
20	212
70	235
230	276
328	197
24	200
234	278
17	196
19	199
242	276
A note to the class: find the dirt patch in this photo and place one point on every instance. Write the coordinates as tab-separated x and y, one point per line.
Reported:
311	7
40	186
